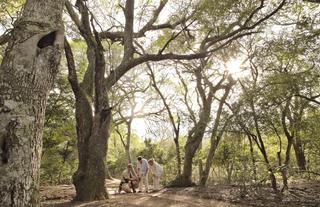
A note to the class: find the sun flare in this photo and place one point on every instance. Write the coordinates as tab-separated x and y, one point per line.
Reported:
139	126
233	66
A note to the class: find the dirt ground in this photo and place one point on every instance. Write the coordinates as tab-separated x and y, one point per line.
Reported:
305	194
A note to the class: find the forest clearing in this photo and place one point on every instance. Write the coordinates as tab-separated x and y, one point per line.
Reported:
172	103
306	194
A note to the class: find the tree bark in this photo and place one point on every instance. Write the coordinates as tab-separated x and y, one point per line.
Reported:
92	134
128	140
289	136
92	130
27	73
259	141
196	134
193	142
178	154
284	171
299	152
258	137
215	137
253	159
299	105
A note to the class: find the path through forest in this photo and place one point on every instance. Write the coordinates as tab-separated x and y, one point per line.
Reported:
61	196
145	200
171	200
304	194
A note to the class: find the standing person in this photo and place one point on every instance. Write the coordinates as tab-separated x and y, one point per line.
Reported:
129	180
142	169
156	171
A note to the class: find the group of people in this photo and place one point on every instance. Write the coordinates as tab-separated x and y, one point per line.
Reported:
131	180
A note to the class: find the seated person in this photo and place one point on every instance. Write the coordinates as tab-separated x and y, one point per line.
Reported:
156	171
129	180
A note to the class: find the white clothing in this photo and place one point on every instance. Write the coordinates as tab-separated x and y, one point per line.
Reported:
142	167
144	181
156	183
157	171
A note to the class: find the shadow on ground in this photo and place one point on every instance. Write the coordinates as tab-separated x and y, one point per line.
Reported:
306	194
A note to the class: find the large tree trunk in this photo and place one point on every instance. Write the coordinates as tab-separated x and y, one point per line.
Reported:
95	175
186	176
193	142
196	134
89	179
27	73
84	122
108	175
92	130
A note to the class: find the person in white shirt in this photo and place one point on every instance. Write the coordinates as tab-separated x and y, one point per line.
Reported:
142	169
129	180
156	171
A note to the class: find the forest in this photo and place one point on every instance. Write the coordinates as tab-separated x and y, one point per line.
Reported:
221	98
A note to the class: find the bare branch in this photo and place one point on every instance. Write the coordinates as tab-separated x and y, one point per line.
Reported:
119	35
166	105
154	17
174	36
312	99
72	75
120	135
124	119
313	1
190	110
245	26
74	16
5	38
125	67
128	31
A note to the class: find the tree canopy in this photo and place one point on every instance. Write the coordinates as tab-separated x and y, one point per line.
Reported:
214	91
